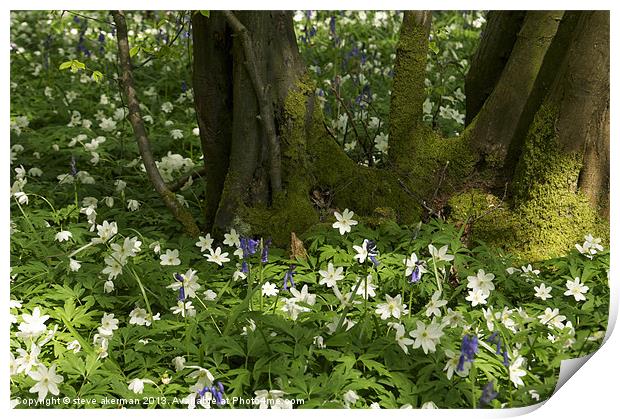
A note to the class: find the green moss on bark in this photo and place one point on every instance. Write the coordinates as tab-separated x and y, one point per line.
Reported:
408	93
548	215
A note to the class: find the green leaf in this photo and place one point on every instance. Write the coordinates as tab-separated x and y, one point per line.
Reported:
134	51
205	13
97	76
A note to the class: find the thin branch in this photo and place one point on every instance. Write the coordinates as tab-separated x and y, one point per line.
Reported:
168	44
267	115
180	213
178	184
493	209
418	198
363	144
441	178
88	17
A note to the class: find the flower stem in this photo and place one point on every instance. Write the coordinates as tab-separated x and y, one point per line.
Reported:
146	299
249	287
472	377
436	275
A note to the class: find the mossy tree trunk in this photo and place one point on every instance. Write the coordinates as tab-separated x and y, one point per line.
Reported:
487	64
551	141
539	96
236	155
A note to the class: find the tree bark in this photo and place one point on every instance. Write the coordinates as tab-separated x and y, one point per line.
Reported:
212	82
497	124
311	162
408	91
490	58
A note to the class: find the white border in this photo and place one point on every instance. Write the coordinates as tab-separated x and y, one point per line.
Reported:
592	391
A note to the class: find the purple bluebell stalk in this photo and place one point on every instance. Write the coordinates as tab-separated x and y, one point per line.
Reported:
183	86
180	278
244	267
416	274
488	394
469	348
332	25
217	393
288	278
371	247
248	245
506	362
264	257
497	340
101	37
491	339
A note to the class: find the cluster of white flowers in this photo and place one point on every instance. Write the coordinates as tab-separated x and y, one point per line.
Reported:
480	287
34	334
18	123
105	332
119	257
271	399
141	317
504	317
173	165
590	246
291	305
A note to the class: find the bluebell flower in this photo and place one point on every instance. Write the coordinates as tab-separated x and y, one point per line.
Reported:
180	278
332	25
469	348
248	245
371	247
264	257
288	278
416	274
183	86
101	37
497	340
217	391
488	394
506	362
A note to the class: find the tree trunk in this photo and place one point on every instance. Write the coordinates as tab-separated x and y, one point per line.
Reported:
212	70
546	119
230	118
487	64
561	181
505	113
